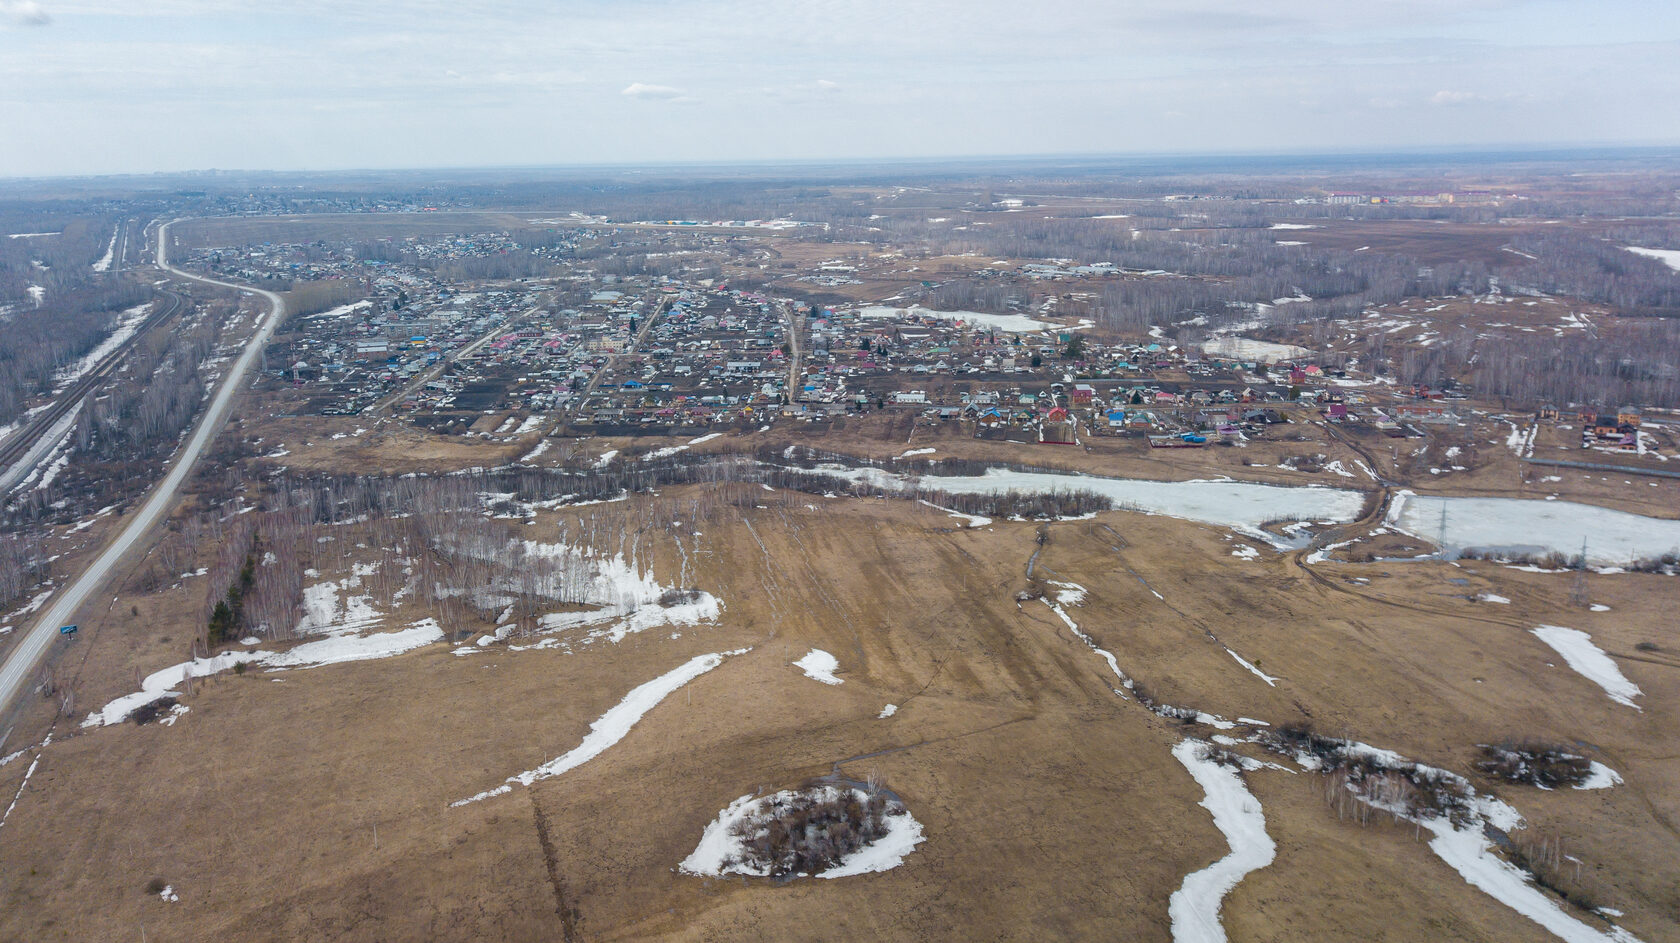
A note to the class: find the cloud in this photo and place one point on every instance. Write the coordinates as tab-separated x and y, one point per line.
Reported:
1445	97
827	86
639	90
24	12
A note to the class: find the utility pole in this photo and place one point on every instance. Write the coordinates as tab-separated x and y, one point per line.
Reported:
1578	589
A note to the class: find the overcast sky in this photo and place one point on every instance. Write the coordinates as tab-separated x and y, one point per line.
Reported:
100	86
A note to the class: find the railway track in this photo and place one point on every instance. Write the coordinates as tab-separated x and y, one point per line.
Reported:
19	445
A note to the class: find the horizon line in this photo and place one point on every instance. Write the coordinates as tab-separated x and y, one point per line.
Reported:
1493	153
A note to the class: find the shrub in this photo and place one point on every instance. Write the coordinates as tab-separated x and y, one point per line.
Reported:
1543	857
814	829
1222	756
1359	773
1534	763
146	713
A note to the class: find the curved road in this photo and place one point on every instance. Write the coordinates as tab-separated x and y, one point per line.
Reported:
26	655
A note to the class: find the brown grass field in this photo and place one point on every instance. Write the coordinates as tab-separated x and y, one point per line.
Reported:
314	804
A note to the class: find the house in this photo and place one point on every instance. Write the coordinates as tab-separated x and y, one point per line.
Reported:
1628	416
1083	394
1605	427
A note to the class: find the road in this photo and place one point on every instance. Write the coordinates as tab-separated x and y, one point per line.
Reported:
26	654
576	405
430	374
796	353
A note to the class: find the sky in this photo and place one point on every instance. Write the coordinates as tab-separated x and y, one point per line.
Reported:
140	86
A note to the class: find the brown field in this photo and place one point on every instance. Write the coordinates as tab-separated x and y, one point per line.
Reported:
314	804
1430	242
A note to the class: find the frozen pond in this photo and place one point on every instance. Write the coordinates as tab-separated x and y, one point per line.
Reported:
1513	525
1668	257
1518	525
1242	506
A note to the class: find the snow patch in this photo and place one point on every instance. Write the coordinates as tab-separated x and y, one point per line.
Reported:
1194	907
719	851
1600	776
1590	662
328	651
612	726
1252	669
1008	323
819	665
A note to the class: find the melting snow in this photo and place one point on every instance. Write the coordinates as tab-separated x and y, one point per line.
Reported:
127	323
1090	643
1256	671
719	853
972	520
1600	776
1668	257
1590	662
612	726
328	651
1194	907
819	665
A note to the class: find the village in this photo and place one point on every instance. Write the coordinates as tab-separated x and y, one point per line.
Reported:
590	353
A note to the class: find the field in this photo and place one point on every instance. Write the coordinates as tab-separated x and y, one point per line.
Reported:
316	803
531	559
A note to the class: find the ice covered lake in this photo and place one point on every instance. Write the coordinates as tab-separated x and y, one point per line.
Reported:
1243	506
1520	525
1513	525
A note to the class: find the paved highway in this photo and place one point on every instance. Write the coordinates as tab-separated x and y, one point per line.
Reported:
27	652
